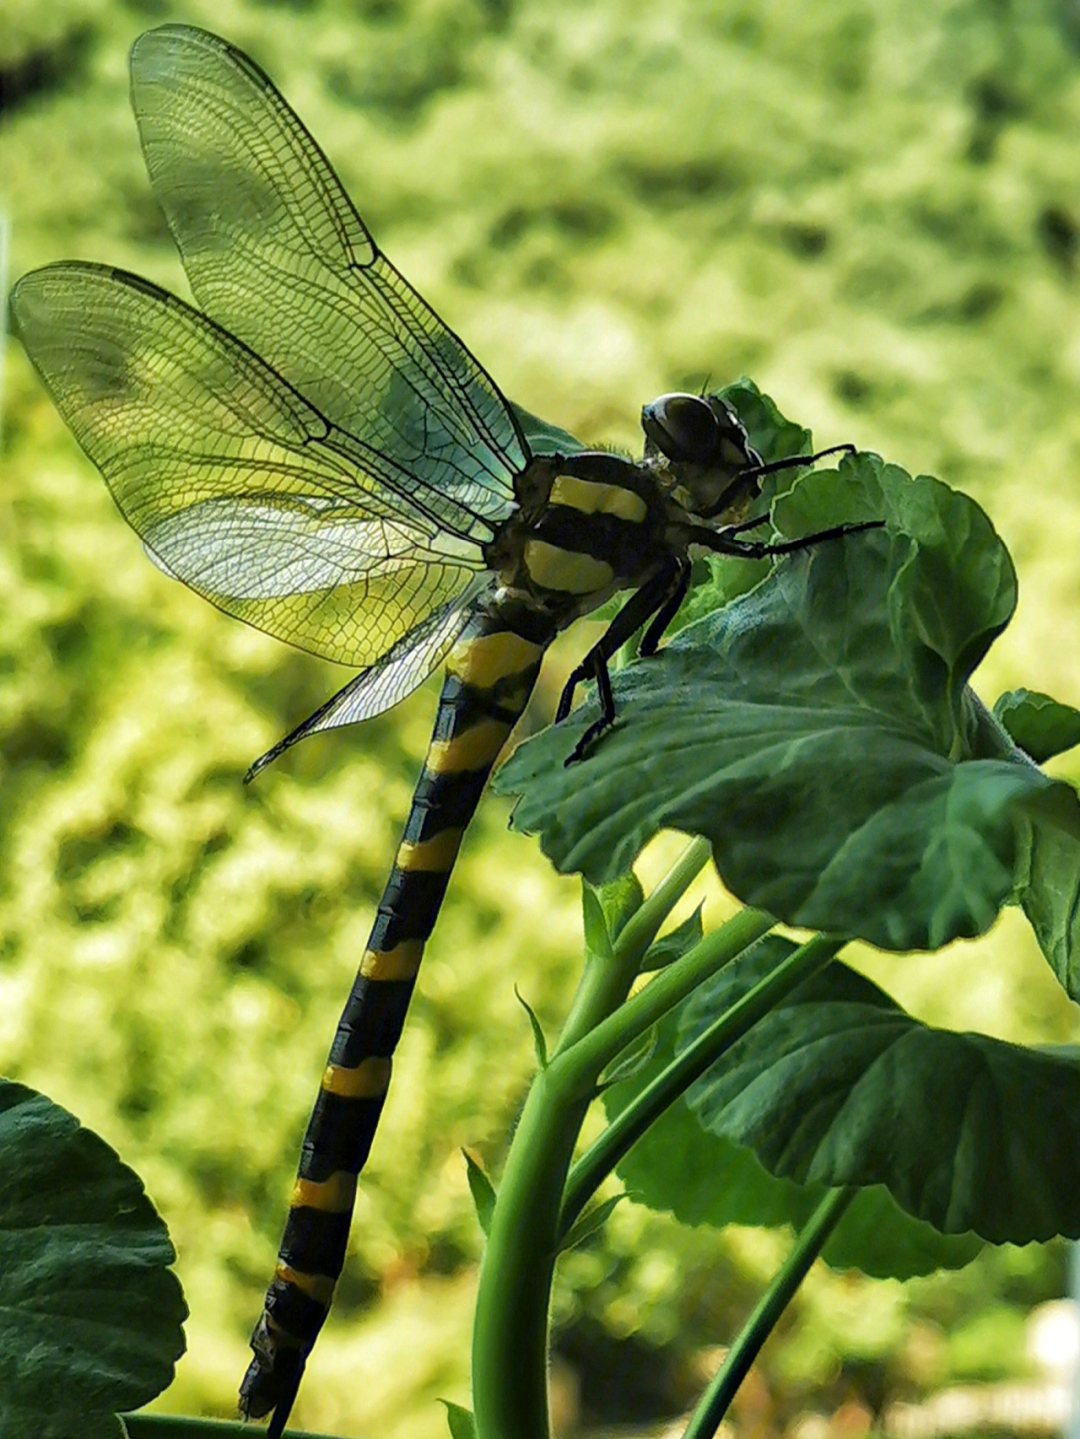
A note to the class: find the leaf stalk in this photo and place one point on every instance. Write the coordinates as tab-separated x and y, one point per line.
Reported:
716	1400
627	1127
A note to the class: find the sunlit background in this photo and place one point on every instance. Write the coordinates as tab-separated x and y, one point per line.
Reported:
871	208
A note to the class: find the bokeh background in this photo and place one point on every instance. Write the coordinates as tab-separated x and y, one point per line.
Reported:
871	208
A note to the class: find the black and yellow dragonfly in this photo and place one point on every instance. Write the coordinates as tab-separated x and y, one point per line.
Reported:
315	452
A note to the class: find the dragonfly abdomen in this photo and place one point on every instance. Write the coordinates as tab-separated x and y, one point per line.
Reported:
491	672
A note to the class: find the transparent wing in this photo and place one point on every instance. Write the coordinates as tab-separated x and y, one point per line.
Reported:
277	255
396	675
237	485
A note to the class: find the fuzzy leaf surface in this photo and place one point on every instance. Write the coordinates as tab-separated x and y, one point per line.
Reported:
839	1086
1041	726
697	1172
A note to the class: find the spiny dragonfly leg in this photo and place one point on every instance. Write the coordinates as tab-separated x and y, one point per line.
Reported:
659	597
792	461
607	709
650	640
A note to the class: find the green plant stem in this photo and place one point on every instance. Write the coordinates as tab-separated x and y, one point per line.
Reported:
627	1127
717	1398
510	1329
593	1000
642	927
509	1361
596	1049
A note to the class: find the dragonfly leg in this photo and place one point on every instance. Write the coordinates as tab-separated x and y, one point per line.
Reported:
643	603
652	599
819	537
607	709
791	461
744	525
723	543
650	640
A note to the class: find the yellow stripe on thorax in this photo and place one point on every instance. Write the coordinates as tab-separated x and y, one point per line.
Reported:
333	1196
485	660
593	498
474	748
315	1286
436	854
566	571
371	1077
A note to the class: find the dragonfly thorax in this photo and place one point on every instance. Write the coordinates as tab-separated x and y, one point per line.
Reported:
587	525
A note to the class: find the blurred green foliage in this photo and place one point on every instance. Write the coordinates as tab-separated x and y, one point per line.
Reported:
873	208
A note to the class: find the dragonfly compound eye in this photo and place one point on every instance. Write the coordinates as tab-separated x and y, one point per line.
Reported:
685	428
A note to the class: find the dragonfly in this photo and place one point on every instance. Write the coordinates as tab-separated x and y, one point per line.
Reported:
315	452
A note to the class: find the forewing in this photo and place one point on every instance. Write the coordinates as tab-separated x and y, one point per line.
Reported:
237	485
276	253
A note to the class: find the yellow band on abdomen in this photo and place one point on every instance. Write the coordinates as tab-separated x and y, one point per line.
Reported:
487	659
474	748
436	854
401	962
369	1078
333	1196
315	1286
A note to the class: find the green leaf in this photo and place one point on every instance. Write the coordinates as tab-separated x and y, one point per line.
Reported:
839	1086
635	1057
594	922
1041	726
619	901
544	438
673	945
819	730
955	587
1050	888
90	1313
539	1042
703	1177
461	1422
482	1191
590	1222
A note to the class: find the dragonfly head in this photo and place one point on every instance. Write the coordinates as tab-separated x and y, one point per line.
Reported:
707	450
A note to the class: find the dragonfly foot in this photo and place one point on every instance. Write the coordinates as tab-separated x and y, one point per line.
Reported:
594	731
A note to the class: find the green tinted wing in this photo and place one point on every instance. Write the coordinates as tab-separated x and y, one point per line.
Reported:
276	253
237	485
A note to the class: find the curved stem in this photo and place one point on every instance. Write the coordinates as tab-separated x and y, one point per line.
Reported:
510	1325
629	948
717	1398
510	1328
627	1127
642	927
